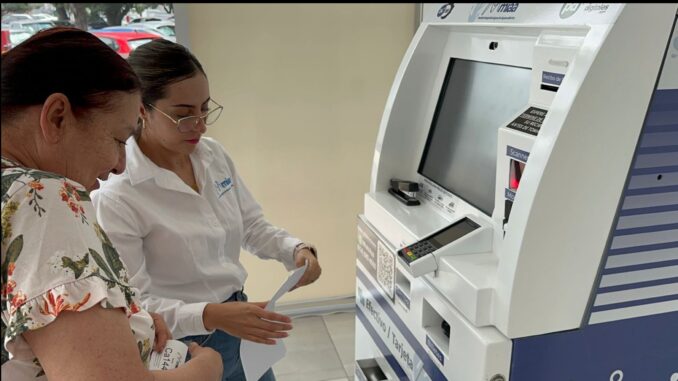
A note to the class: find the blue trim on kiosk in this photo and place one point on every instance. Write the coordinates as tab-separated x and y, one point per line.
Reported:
429	366
382	347
640	349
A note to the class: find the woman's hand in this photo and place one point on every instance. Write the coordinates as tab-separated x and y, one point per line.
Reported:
162	333
209	359
248	321
313	270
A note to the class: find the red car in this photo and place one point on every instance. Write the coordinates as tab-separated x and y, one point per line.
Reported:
125	42
6	43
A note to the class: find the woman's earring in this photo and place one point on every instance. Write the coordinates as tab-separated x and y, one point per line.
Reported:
140	124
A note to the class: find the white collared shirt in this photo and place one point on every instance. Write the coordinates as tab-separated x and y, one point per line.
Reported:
182	248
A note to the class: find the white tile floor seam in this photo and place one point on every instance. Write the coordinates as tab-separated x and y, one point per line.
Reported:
334	343
319	348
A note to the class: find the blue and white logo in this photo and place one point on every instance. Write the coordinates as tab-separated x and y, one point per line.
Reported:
445	10
596	8
475	11
224	186
493	11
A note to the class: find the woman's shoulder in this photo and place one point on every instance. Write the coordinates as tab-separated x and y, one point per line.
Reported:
217	150
13	172
212	145
39	188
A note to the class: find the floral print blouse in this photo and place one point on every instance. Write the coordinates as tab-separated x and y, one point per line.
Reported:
55	257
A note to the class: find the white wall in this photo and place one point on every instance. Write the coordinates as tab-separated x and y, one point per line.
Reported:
304	87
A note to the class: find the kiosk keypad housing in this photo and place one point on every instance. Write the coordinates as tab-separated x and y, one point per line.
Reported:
438	240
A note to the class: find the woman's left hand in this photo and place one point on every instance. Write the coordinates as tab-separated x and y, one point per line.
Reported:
162	333
312	271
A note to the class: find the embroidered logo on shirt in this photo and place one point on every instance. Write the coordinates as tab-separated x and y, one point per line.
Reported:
224	186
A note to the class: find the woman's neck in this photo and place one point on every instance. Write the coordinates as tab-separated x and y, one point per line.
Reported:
17	149
161	156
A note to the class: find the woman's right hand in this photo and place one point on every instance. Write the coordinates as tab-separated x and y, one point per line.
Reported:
208	358
248	321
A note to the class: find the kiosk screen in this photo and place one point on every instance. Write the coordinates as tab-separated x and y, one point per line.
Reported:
476	99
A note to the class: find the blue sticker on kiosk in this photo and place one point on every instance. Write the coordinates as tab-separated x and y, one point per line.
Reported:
436	352
403	298
552	78
517	154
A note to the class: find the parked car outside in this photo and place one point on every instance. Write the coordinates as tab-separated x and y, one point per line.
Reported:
157	13
44	17
143	19
6	43
97	23
165	28
32	25
125	42
13	37
135	28
12	17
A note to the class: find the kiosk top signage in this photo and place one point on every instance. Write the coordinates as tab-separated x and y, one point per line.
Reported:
522	13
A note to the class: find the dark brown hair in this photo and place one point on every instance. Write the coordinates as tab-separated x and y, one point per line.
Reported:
161	63
63	60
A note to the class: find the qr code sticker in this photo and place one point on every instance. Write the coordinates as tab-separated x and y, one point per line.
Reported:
386	269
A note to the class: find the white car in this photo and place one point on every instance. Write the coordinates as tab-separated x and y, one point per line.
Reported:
164	28
32	25
157	13
12	17
44	17
17	36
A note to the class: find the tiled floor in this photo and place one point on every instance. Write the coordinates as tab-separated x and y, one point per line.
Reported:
319	348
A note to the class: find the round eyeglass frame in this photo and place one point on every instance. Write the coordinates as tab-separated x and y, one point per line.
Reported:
183	126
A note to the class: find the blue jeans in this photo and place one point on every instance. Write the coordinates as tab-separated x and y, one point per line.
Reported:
229	348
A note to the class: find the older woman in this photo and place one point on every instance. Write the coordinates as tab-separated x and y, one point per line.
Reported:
69	103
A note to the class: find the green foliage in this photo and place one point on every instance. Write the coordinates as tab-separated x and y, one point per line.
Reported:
15	8
112	13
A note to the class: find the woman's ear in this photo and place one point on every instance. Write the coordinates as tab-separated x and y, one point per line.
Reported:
56	113
142	110
141	122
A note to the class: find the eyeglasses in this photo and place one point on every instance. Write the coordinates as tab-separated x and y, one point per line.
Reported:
188	123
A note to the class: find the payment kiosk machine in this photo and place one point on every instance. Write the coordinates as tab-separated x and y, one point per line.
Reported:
522	219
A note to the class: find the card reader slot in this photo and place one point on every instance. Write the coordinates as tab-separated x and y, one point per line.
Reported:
436	327
402	292
549	87
371	370
403	282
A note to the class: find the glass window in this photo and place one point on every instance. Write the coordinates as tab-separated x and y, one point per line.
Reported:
17	37
111	43
167	30
133	44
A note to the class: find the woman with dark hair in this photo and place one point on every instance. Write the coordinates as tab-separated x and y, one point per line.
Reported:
69	103
180	214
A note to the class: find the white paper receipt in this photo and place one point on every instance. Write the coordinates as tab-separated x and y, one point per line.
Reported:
171	357
258	358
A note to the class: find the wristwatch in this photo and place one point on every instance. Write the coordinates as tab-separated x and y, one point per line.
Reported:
303	245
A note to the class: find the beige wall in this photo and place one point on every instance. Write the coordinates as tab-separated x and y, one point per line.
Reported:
304	87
